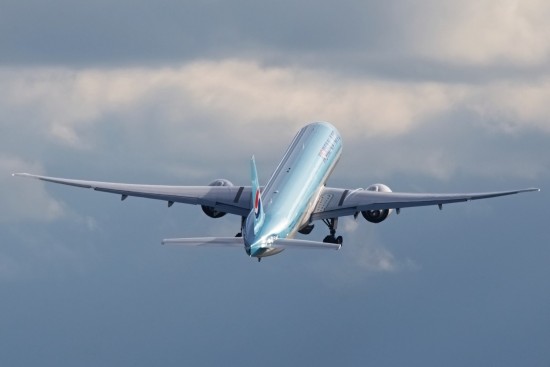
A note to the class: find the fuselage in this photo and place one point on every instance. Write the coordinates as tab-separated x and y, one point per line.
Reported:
293	190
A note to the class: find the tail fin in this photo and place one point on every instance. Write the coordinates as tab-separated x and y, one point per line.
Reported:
256	197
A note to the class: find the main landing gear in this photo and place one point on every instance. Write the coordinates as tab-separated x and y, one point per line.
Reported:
240	234
332	224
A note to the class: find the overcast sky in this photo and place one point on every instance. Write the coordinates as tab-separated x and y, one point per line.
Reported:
429	96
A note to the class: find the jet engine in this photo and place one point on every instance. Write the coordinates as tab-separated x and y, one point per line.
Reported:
210	211
377	216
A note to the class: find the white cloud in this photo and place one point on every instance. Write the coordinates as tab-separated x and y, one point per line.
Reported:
204	102
245	93
375	258
481	32
66	103
250	94
362	255
349	224
371	255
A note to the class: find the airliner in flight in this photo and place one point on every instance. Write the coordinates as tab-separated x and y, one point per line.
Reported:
295	196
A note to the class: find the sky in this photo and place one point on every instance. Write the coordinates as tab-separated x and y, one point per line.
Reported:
429	96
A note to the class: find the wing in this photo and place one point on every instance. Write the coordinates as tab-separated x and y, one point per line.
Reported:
334	203
228	199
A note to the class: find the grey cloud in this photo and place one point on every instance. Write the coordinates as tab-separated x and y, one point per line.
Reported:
65	32
399	39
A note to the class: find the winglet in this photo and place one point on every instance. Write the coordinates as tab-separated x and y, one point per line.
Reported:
256	196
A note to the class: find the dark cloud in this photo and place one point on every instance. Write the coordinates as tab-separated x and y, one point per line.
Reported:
141	32
103	32
398	39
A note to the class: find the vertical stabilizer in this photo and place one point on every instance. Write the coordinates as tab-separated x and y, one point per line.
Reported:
257	207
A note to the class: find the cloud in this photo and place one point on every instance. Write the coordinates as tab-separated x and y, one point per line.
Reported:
71	101
512	106
211	106
428	38
486	32
367	249
375	258
363	255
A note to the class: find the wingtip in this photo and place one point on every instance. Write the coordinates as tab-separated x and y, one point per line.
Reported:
20	174
531	189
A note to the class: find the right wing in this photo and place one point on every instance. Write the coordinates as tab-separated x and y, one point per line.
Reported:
334	203
227	199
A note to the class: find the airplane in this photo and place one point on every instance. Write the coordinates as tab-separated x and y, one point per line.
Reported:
295	196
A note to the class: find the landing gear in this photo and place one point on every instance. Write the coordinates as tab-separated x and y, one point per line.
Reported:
332	224
240	234
332	239
259	259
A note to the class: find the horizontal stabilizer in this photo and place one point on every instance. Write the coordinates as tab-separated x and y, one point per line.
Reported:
292	243
282	243
206	241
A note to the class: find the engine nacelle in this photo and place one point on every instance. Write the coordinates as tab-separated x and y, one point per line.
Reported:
377	216
210	211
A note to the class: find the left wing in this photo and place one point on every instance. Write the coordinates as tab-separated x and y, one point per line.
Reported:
227	199
334	203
